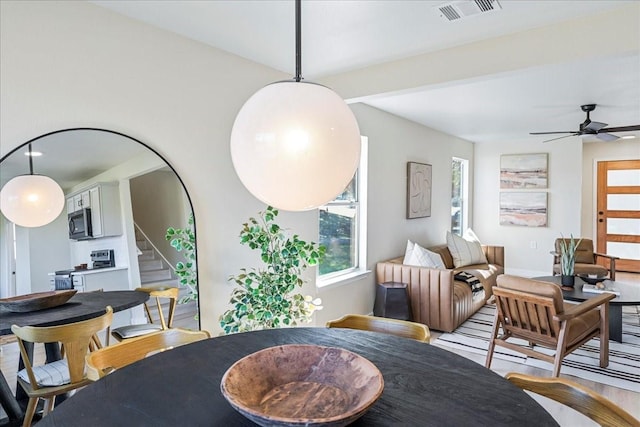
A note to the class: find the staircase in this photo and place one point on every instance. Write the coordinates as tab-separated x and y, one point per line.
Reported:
156	271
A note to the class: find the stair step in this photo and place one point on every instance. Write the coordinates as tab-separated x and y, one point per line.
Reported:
146	254
150	264
154	275
142	244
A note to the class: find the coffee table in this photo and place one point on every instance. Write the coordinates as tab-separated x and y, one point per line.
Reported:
629	295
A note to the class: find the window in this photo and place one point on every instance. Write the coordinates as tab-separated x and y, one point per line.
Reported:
459	195
342	227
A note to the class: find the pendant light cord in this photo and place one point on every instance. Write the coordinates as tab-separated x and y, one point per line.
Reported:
30	161
298	42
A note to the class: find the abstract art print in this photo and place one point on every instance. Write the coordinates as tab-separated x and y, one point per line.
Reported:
523	170
527	209
418	190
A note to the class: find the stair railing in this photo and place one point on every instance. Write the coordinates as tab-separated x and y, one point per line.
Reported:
155	248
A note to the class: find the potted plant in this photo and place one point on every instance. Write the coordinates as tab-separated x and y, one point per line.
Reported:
265	298
184	240
568	260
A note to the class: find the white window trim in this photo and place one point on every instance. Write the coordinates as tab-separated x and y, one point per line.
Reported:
464	178
351	274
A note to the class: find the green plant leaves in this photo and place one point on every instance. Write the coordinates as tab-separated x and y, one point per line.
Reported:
184	240
267	293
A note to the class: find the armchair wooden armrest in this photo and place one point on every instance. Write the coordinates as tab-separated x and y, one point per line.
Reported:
584	306
611	257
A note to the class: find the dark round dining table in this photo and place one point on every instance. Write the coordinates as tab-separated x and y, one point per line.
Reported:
423	385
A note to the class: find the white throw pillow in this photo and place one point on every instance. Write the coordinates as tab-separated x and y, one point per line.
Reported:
408	252
422	257
465	251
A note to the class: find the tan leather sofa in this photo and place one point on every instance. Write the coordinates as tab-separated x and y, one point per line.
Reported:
437	300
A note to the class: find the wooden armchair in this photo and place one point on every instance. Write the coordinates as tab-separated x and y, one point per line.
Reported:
402	328
51	379
106	360
578	397
534	311
159	293
586	260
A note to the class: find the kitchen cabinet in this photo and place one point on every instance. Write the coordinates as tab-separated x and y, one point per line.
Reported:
104	201
79	201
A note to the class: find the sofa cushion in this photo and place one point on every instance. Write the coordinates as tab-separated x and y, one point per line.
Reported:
422	257
408	251
465	251
445	255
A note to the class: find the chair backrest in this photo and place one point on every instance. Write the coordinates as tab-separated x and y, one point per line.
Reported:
526	308
160	293
402	328
576	396
106	360
584	251
75	337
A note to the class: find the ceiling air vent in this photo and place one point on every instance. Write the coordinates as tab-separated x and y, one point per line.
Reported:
455	10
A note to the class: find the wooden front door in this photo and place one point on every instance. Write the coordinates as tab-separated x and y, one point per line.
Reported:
618	215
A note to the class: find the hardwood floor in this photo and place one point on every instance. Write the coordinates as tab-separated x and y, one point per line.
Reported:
628	400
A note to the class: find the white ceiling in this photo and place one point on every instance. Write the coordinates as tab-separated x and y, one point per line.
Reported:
341	36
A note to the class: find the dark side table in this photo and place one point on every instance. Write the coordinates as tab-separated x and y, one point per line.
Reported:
392	300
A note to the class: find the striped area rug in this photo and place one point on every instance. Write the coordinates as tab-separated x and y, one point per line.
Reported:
624	358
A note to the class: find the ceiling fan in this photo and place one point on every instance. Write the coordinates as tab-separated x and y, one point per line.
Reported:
589	127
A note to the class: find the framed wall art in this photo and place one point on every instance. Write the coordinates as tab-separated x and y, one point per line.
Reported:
527	209
418	190
518	171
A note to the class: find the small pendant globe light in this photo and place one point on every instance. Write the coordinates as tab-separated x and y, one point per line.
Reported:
31	200
295	145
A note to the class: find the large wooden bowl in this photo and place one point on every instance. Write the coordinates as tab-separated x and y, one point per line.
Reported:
37	301
302	385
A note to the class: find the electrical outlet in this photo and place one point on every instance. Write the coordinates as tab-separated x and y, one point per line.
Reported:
533	244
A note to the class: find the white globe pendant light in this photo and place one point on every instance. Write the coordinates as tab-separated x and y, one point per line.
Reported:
295	145
31	200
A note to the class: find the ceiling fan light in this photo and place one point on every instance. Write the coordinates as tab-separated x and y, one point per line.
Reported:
295	145
31	200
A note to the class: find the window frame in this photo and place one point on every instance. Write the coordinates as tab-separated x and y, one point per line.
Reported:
323	280
464	198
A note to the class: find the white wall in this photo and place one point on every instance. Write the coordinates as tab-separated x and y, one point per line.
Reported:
563	204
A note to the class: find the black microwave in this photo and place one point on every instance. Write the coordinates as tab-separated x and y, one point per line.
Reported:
80	225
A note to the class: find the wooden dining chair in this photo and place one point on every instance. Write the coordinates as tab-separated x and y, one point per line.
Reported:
535	311
160	294
106	360
402	328
576	396
51	379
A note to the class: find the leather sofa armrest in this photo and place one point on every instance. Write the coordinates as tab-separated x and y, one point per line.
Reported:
494	254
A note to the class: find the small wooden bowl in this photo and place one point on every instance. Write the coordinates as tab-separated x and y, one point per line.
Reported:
302	385
37	301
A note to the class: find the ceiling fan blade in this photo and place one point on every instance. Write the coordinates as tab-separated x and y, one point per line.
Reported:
594	126
566	136
551	133
606	137
621	129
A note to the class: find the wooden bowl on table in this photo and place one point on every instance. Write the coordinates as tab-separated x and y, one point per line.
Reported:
37	301
302	385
